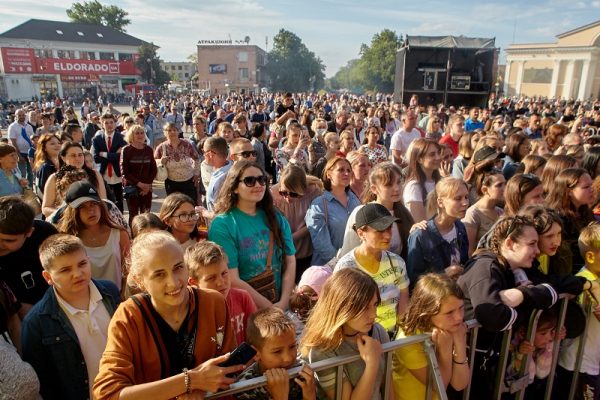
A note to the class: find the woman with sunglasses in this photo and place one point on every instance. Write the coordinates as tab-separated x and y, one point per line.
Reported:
328	214
178	213
292	196
256	237
501	291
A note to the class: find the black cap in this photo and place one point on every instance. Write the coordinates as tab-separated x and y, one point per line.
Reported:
79	193
374	215
487	153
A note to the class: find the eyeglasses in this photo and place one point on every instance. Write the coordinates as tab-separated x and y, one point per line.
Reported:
292	195
188	217
250	181
247	154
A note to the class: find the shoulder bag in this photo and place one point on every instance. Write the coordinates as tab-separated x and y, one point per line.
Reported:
264	283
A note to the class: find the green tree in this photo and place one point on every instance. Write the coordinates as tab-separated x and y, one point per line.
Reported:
291	66
94	12
149	64
376	67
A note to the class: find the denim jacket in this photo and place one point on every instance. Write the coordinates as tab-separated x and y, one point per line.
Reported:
327	226
51	346
429	252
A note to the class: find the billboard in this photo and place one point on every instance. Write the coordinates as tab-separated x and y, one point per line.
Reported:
217	69
18	61
23	61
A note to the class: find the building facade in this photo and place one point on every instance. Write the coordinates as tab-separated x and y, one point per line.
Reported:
42	59
224	67
567	69
180	72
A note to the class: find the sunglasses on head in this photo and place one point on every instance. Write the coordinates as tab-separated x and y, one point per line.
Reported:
292	195
247	154
250	181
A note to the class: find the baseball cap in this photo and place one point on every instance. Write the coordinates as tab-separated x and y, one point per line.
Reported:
487	153
315	277
81	192
374	215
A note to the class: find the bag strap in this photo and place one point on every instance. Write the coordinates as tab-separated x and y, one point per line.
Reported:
270	255
325	210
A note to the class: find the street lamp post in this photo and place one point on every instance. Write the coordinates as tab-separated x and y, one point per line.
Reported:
150	64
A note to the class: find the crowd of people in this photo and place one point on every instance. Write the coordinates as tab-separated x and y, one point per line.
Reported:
307	226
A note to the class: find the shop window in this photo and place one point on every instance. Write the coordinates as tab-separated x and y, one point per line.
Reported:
43	53
87	55
65	54
125	57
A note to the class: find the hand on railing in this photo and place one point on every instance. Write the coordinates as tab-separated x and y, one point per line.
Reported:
278	383
209	377
306	381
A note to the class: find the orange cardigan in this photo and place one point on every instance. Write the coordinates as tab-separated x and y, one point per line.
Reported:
131	356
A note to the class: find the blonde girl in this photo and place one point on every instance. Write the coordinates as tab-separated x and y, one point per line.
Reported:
343	323
436	306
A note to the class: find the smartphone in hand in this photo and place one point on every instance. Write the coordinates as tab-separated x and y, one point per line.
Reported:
240	356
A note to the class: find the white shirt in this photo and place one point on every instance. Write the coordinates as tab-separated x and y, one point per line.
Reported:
114	179
91	327
14	132
402	139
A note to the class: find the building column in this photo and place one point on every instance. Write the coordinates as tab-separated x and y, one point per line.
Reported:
120	86
554	83
59	87
520	69
587	78
506	77
567	93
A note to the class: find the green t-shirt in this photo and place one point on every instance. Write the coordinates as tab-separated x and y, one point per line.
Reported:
245	239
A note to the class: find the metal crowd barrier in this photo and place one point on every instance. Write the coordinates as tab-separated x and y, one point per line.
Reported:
516	385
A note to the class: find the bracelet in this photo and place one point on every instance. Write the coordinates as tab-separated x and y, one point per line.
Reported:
461	363
187	381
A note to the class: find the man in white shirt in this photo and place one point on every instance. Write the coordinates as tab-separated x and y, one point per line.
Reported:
19	133
404	136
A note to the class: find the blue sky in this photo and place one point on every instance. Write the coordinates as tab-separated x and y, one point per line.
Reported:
333	29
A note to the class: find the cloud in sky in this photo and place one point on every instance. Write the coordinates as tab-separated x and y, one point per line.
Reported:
333	29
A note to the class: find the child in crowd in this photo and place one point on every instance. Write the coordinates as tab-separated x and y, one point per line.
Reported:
436	306
306	294
540	353
146	222
343	323
373	225
273	336
207	263
588	384
64	334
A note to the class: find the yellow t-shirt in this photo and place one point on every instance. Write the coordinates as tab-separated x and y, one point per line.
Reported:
406	385
544	263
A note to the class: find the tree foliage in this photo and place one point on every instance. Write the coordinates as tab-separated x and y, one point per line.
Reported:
151	71
94	12
291	66
375	68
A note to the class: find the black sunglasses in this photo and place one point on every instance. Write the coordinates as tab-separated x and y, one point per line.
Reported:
247	154
250	181
293	195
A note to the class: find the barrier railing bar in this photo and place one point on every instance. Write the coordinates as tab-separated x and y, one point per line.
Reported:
472	326
555	346
339	382
254	383
522	379
579	360
503	359
435	373
388	376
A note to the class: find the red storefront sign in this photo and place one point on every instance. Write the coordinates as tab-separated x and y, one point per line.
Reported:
23	61
18	61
